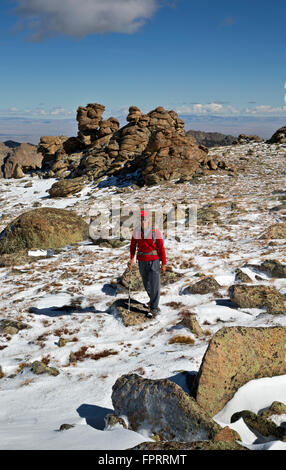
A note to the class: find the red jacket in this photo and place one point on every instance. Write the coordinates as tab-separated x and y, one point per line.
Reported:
147	245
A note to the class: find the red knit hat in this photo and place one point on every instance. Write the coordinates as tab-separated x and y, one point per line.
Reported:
144	214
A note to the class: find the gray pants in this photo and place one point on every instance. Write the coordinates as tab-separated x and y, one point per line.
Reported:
150	274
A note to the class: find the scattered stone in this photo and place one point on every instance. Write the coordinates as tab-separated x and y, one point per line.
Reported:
1	373
240	276
207	216
189	320
227	435
109	242
275	231
197	445
162	407
273	267
14	259
10	330
281	208
236	355
12	327
113	420
260	424
67	187
72	357
260	296
46	227
204	286
65	427
276	408
39	367
136	283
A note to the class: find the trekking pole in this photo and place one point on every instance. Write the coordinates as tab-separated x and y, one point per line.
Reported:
129	284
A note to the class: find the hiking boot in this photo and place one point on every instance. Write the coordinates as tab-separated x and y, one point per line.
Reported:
149	314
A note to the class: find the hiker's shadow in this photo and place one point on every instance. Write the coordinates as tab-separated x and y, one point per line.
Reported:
109	289
55	311
94	415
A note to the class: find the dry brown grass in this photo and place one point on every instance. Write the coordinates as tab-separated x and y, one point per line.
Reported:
65	331
26	382
187	264
207	332
181	340
46	359
43	336
174	304
22	366
82	354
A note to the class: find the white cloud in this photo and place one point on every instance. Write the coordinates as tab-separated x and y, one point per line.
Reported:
266	110
81	17
38	112
209	108
217	108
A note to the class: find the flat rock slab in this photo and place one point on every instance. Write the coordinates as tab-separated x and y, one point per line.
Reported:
259	296
235	356
136	315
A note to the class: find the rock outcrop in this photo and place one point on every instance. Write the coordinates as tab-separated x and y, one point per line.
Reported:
20	160
154	147
61	154
4	151
246	139
235	356
46	227
279	137
161	407
211	139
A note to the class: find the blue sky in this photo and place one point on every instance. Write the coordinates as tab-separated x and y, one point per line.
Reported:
219	63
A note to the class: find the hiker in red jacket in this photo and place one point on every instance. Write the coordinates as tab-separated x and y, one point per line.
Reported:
150	251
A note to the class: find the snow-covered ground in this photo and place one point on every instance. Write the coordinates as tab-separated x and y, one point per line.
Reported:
34	406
